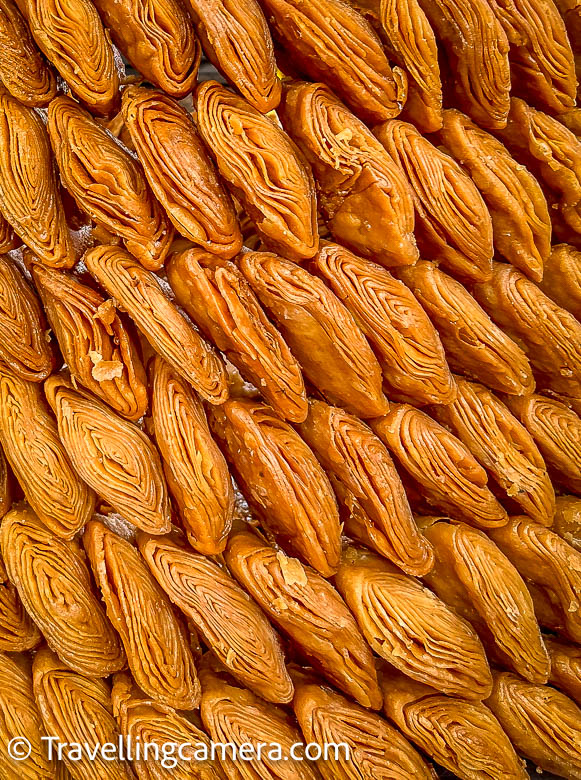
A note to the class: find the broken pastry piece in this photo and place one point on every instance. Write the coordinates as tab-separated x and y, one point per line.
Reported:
481	585
567	522
446	472
309	611
452	225
562	278
320	331
543	724
263	168
565	667
521	224
18	632
282	480
365	199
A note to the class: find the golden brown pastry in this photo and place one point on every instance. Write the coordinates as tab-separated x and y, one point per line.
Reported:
236	39
474	345
405	342
77	709
567	521
521	224
263	168
309	611
18	632
453	225
562	278
71	36
220	301
31	444
501	444
230	623
141	295
547	608
23	71
54	584
156	643
543	724
373	501
194	467
365	199
282	480
542	556
179	170
464	737
481	585
570	10
5	485
572	118
320	331
24	341
29	197
447	474
565	667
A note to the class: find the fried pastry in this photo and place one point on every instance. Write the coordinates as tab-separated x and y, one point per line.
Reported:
309	611
373	501
5	486
501	444
24	343
453	225
481	585
474	345
562	278
570	10
194	467
572	118
107	183
141	295
365	199
543	724
31	444
565	667
220	301
180	172
320	331
464	737
404	340
54	584
29	196
156	643
446	472
567	522
230	623
521	224
263	168
18	632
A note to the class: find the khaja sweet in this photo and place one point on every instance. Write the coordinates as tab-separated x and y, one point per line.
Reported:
18	632
565	667
562	278
567	521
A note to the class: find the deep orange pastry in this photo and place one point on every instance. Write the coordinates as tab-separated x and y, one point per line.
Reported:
565	667
567	521
562	278
18	632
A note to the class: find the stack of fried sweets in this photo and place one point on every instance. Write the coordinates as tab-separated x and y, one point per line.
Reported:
290	385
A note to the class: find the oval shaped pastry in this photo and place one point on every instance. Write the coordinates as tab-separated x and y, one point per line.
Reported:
404	340
474	345
309	611
55	587
230	623
263	168
29	197
464	737
107	183
77	709
452	225
543	557
365	199
24	344
481	585
543	724
373	501
562	278
282	480
30	440
565	667
111	455
18	632
567	521
179	170
218	298
521	224
159	41
23	71
99	351
503	446
141	295
194	467
445	471
71	36
320	331
156	642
